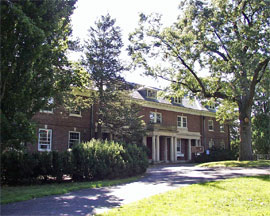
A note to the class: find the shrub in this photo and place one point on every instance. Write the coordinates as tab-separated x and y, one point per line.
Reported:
91	160
216	154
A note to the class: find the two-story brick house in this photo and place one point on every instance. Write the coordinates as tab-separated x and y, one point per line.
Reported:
176	129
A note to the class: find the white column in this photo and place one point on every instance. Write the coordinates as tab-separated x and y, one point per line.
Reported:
165	150
153	148
189	149
144	140
158	152
171	150
175	148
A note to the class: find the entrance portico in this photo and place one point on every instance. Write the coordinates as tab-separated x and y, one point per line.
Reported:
171	147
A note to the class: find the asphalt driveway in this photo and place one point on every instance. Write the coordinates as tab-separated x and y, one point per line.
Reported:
158	179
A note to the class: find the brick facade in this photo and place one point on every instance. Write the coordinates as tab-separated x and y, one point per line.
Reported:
166	140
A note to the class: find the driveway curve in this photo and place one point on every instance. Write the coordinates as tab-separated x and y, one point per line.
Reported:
158	179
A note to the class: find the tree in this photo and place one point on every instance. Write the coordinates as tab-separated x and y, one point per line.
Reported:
34	67
102	51
122	118
261	118
229	39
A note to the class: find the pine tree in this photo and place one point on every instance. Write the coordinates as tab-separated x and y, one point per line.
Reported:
102	50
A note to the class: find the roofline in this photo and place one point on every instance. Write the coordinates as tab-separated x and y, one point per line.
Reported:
170	107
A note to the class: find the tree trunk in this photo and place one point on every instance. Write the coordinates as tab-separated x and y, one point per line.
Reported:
99	130
245	148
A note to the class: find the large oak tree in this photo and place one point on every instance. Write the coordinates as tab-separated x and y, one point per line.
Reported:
228	39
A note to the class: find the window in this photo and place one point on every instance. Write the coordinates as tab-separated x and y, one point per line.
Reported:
75	112
48	108
179	149
178	100
44	139
222	128
181	121
74	138
178	145
211	143
151	93
210	125
155	117
212	106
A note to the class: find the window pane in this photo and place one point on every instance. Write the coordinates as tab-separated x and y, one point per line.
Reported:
74	138
159	119
179	121
44	141
184	122
152	117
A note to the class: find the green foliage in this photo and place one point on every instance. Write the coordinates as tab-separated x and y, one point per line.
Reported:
102	51
34	67
261	133
107	159
122	118
94	160
216	154
227	39
261	118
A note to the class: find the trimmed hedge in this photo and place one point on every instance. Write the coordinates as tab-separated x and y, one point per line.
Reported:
216	154
94	160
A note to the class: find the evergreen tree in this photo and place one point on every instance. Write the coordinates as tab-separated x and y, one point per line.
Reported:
102	51
34	67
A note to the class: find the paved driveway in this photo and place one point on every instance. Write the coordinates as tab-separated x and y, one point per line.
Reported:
158	179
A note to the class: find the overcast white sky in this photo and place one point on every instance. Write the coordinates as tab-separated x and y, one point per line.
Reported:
126	14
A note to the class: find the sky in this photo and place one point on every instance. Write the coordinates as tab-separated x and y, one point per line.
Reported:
126	14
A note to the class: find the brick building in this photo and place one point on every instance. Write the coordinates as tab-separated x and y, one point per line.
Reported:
179	128
176	129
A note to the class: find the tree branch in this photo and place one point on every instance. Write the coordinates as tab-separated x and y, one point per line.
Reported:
223	45
261	67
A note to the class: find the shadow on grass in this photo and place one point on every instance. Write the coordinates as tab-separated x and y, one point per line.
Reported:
82	202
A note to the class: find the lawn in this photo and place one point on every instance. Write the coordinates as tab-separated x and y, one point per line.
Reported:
21	193
239	196
259	163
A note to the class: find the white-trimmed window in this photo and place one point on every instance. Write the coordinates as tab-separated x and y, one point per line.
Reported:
222	128
155	117
44	139
181	121
179	148
151	93
75	112
48	108
210	125
177	100
211	143
74	138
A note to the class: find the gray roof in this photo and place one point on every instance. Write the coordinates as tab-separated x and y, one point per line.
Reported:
186	102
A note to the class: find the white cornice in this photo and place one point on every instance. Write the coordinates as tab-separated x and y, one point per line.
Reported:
169	107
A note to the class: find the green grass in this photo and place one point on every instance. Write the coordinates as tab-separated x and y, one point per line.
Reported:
21	193
240	196
259	163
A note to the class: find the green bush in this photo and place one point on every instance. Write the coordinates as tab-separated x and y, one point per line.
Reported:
216	154
107	160
86	161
